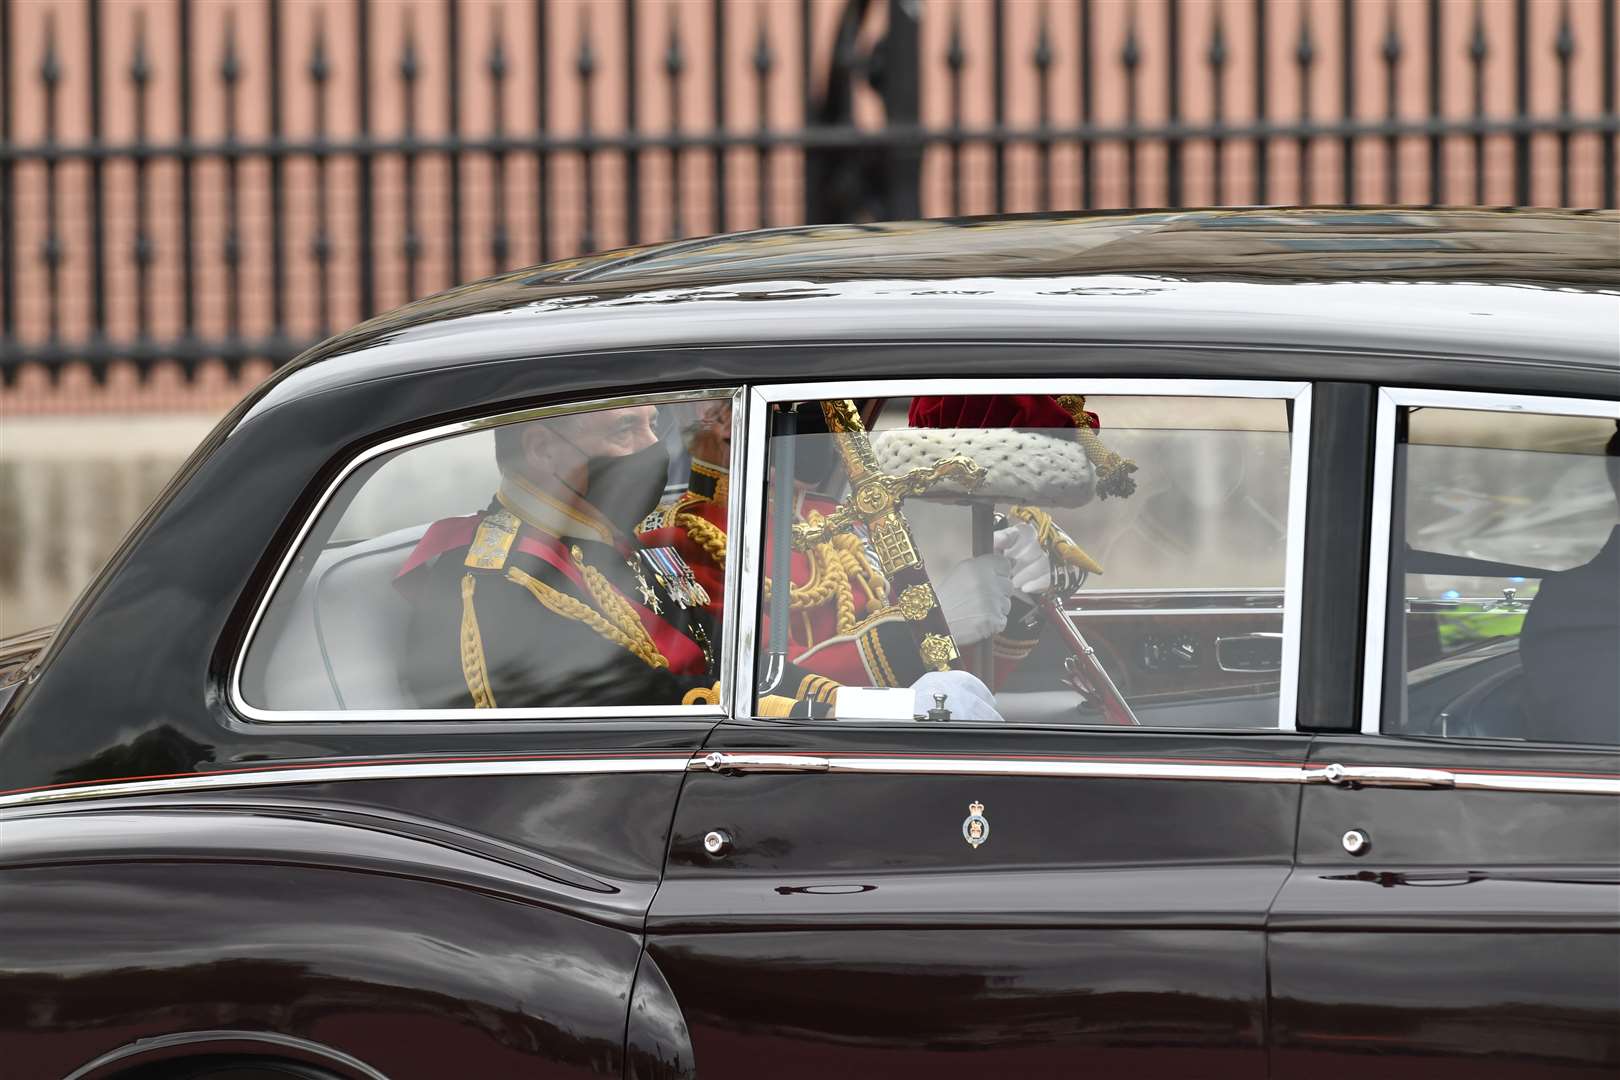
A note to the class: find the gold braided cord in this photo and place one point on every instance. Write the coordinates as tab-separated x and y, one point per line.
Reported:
473	668
837	572
641	645
613	604
709	536
1054	539
860	567
834	565
828	580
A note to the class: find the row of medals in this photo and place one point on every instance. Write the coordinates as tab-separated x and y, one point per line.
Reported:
679	584
674	575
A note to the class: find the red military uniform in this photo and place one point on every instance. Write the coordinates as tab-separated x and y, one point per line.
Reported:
844	625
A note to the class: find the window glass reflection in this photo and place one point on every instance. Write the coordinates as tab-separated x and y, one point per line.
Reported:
1506	580
1119	561
513	568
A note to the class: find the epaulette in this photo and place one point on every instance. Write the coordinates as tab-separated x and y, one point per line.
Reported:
492	543
710	481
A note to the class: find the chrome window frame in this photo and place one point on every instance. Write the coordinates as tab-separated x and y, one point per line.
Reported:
728	659
1391	399
745	543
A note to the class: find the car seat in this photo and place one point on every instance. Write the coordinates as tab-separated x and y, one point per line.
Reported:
342	645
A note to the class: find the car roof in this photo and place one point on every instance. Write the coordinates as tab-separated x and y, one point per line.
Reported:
1405	279
1551	246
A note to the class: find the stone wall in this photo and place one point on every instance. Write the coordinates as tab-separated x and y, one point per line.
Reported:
70	487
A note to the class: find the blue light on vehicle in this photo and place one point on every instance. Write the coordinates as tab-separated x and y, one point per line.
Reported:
1450	594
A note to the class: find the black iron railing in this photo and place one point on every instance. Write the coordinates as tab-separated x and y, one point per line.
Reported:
608	123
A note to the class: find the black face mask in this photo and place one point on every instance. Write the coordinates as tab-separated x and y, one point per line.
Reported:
624	488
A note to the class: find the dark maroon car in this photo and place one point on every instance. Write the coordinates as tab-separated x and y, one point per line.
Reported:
1254	714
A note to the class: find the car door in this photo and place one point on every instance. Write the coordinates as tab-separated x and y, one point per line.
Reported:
1041	896
369	868
1457	900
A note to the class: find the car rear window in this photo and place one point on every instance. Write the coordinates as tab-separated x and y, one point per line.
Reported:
500	567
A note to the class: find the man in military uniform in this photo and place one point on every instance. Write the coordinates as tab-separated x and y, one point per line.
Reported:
844	629
844	624
546	598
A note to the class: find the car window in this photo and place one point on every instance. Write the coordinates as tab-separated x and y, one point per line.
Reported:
508	564
1504	583
1105	559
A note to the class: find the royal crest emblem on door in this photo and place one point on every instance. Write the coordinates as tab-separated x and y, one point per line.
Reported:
976	827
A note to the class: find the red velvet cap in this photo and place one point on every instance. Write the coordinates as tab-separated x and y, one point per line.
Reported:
992	411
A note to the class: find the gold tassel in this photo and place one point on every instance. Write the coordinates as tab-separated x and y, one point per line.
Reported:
1113	471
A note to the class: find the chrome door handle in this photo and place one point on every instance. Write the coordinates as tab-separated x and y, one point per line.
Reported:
756	763
1380	776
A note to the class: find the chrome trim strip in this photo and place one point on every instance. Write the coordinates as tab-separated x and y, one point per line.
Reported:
1299	467
737	488
1390	400
746	547
1545	785
1299	393
748	762
745	762
1095	770
1486	401
327	774
240	704
729	762
1383	486
770	762
1065	384
1384	776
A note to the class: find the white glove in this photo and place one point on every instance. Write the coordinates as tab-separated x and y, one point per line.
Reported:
966	697
976	596
1031	565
